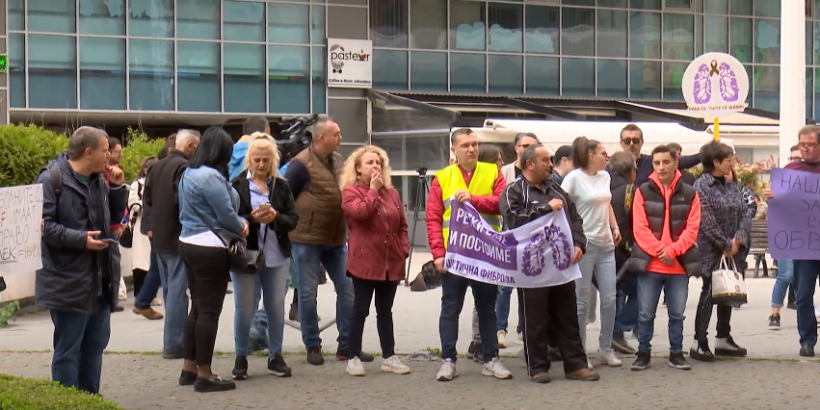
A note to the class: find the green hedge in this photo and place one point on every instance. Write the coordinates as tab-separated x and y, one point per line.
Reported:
26	149
39	394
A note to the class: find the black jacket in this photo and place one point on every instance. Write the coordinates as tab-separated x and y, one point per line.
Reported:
145	213
281	199
623	215
162	197
522	202
72	275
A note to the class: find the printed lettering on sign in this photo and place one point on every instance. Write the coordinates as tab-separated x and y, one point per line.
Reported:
21	210
794	215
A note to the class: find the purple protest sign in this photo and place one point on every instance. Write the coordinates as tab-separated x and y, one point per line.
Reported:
473	239
794	215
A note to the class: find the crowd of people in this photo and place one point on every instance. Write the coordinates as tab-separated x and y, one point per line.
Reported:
641	227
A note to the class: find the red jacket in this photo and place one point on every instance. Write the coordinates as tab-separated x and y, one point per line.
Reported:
377	241
115	227
435	209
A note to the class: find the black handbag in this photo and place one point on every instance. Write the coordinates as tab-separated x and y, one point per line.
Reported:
127	237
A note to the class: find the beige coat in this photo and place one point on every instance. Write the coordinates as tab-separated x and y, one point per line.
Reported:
141	249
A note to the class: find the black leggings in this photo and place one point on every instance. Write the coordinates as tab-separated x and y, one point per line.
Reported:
207	271
363	291
704	314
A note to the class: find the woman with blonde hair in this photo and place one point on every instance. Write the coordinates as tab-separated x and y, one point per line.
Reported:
378	246
266	202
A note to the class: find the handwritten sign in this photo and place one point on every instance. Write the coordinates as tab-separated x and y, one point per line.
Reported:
21	210
794	215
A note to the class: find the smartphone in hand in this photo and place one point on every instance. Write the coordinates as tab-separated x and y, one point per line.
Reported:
110	241
264	207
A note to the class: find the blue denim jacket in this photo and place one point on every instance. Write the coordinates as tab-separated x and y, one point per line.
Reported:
205	193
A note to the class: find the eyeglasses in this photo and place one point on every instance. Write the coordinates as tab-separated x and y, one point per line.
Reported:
807	147
630	141
605	155
795	158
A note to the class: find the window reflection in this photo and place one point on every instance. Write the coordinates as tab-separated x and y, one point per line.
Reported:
428	71
467	73
17	71
198	80
767	41
390	69
543	29
288	23
645	79
645	35
243	21
102	17
506	74
611	33
767	88
288	79
612	79
17	15
578	77
244	77
717	34
52	71
319	80
678	37
198	19
50	16
672	80
102	73
543	75
428	24
467	25
741	39
388	23
506	23
151	18
151	75
577	34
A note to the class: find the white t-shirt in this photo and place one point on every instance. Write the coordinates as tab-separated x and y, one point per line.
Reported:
591	196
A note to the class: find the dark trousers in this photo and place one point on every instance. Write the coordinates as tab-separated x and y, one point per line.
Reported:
150	285
139	279
805	279
453	291
704	314
207	271
385	293
550	318
79	342
553	339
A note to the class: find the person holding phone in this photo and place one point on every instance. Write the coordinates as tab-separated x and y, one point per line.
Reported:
266	203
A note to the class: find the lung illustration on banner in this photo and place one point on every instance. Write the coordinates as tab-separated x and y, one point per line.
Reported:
534	255
794	215
21	210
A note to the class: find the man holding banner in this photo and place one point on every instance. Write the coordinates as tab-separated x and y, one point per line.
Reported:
529	205
479	184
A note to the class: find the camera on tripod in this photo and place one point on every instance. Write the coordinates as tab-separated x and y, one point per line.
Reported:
422	171
292	136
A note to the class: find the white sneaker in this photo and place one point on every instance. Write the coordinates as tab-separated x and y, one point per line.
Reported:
502	339
609	358
394	365
496	369
447	372
355	368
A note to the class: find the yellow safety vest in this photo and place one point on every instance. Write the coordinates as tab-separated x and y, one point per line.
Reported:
451	180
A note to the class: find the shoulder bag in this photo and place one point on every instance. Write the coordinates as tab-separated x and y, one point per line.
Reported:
728	286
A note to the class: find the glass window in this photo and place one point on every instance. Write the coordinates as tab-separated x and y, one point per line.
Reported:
578	2
467	25
809	96
430	152
52	71
428	24
467	73
543	29
198	77
672	78
319	80
244	76
577	77
51	16
288	23
613	3
716	6
698	34
506	25
17	70
809	45
390	69
645	4
151	18
506	74
645	80
611	33
717	34
767	8
317	25
388	23
645	35
243	21
428	71
767	41
612	79
17	15
678	4
198	19
678	37
767	88
288	73
816	89
740	38
102	73
151	75
102	17
740	8
578	31
543	75
816	45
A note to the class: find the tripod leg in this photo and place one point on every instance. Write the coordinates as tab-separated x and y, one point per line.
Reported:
421	187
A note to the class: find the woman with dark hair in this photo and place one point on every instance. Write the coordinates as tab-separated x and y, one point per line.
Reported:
726	223
588	186
490	154
207	205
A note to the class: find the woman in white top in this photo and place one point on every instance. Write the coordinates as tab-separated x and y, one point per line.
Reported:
588	187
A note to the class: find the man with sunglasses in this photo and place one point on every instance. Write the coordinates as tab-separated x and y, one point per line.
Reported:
632	142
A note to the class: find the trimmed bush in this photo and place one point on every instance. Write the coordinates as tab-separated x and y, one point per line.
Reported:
25	150
39	394
138	146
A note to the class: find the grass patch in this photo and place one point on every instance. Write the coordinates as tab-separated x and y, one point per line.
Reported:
39	394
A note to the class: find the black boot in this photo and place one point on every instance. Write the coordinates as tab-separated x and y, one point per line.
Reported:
701	351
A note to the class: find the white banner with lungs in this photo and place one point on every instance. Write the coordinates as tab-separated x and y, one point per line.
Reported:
535	255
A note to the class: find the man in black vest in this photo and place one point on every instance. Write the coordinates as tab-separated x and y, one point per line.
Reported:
666	219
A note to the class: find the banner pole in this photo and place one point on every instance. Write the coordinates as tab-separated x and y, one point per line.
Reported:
717	129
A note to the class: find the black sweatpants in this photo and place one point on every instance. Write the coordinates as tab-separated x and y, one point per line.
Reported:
207	271
703	314
363	292
550	317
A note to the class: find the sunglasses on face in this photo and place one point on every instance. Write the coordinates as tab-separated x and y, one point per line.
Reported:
630	141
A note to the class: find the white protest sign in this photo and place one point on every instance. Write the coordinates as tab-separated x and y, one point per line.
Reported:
715	84
21	210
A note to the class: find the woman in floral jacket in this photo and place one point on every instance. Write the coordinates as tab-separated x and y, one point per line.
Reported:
726	224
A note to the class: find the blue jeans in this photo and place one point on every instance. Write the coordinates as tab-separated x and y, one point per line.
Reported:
150	285
453	290
676	290
259	329
598	261
79	342
502	308
785	277
334	258
805	276
271	283
626	306
174	286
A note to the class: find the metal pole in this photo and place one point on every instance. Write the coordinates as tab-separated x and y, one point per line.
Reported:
792	74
